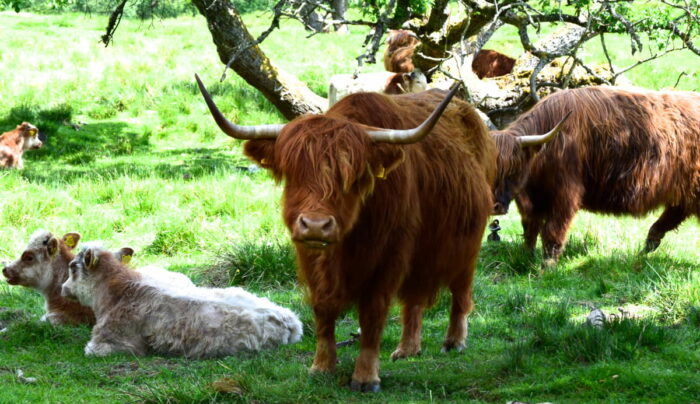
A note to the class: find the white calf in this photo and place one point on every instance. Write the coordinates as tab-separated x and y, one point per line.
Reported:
140	314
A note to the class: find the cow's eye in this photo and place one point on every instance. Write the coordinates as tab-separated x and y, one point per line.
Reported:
27	257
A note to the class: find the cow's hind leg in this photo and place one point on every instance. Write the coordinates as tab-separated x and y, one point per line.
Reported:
671	217
411	319
462	305
373	309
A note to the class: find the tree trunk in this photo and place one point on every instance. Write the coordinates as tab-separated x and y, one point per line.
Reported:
312	21
339	9
289	95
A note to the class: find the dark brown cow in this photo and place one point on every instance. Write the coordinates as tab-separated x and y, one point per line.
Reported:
398	56
377	213
489	63
623	151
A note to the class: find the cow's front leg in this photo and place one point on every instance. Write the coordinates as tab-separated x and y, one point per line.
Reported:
554	237
324	360
373	310
532	223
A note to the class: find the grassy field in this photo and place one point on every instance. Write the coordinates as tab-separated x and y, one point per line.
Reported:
148	169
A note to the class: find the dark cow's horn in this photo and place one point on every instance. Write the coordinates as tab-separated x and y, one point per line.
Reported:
238	131
413	135
535	140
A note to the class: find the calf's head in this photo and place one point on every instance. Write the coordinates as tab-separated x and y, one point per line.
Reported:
329	165
92	266
30	136
34	267
515	153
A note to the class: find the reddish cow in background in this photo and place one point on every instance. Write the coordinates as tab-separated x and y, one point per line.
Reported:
623	151
400	45
376	213
398	56
489	63
15	142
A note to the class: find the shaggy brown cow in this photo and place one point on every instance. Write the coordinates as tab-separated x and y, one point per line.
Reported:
377	213
624	151
489	63
15	142
398	56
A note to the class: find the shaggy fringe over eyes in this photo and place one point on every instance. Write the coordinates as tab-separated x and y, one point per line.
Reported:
511	158
323	153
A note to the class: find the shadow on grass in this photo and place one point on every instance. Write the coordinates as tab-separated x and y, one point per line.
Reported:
550	332
512	257
191	164
72	143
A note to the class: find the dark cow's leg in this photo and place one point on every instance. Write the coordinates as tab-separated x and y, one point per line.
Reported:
324	360
462	305
554	235
669	220
411	319
532	223
373	309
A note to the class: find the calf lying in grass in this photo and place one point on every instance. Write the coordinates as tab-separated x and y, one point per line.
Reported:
43	266
139	314
14	143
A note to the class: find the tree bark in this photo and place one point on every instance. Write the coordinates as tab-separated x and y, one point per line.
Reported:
289	95
339	9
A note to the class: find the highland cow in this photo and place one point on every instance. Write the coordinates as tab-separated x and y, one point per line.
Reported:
623	151
376	213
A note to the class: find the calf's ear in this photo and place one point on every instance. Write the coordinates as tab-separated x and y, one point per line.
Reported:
52	246
91	259
385	159
71	239
124	255
261	151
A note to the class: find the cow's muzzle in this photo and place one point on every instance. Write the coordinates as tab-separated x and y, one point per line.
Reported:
500	209
11	276
315	230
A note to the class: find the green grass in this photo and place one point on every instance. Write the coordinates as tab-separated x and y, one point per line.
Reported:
148	169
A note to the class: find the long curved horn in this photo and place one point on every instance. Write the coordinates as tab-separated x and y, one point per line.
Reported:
535	140
238	131
404	136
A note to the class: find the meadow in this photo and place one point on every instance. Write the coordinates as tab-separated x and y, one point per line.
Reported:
148	169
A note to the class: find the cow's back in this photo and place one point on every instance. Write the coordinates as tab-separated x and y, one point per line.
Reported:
625	150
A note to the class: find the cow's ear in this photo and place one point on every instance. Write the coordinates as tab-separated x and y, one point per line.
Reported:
124	255
386	158
90	257
261	151
71	239
52	246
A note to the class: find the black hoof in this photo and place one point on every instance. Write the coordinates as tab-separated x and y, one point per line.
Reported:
371	387
651	245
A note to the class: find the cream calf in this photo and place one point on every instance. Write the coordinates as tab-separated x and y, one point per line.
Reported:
14	143
43	266
139	314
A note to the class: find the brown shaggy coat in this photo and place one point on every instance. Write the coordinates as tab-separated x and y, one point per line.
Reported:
409	217
398	56
489	63
622	151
